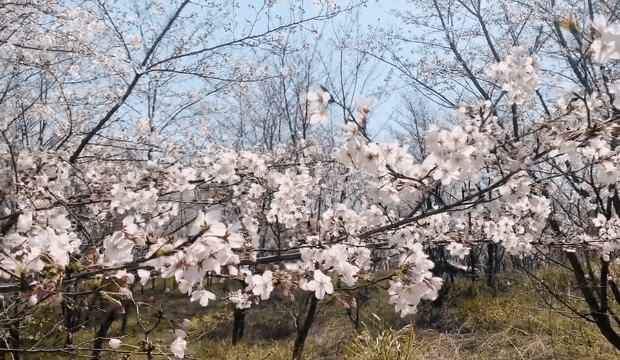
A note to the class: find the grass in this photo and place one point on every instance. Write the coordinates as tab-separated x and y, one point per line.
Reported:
513	322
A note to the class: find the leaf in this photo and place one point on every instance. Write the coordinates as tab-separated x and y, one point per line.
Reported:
114	301
570	25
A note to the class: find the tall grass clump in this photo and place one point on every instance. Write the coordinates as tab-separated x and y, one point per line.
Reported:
388	344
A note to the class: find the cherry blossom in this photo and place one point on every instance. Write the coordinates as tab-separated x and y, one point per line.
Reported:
262	285
179	345
115	343
144	276
519	73
240	299
457	249
24	222
203	296
173	208
118	248
321	285
316	107
605	46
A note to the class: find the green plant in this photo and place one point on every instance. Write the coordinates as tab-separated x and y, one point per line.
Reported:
389	344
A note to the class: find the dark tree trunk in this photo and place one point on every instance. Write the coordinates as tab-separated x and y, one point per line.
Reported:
354	318
102	333
473	265
127	307
361	297
303	329
599	308
72	314
491	267
14	341
438	306
238	325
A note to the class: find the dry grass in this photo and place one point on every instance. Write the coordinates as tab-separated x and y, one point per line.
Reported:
512	323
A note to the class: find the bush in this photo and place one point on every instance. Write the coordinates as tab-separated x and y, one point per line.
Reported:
389	344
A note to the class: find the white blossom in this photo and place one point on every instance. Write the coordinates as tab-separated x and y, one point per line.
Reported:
178	347
115	343
203	296
321	285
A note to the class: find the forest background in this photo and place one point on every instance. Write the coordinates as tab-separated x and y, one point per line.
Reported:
172	169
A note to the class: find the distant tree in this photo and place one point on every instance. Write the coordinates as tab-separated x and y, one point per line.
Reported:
95	208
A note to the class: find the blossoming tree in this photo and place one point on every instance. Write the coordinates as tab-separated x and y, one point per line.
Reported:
77	206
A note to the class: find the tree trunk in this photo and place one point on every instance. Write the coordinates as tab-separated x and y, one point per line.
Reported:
14	341
102	333
127	307
599	309
238	325
473	264
491	268
302	329
72	319
354	318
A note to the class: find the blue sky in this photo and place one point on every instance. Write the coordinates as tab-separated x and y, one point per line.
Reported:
373	13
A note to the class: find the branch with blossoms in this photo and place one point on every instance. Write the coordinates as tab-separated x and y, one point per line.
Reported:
300	217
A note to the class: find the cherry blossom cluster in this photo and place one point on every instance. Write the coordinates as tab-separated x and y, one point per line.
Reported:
519	74
605	45
300	216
